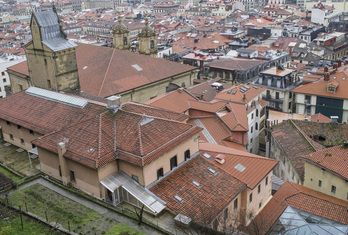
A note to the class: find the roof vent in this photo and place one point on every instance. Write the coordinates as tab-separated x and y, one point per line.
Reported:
137	67
178	198
114	102
146	120
212	171
220	158
240	167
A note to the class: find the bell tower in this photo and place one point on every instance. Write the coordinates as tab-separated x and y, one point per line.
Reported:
120	35
147	40
51	57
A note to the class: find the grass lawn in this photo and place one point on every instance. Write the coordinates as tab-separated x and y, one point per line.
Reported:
10	175
10	223
123	229
60	209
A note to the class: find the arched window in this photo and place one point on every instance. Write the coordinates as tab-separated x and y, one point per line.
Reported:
125	41
152	44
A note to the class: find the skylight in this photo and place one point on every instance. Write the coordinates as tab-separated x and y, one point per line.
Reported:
212	170
137	67
207	155
196	183
178	198
240	167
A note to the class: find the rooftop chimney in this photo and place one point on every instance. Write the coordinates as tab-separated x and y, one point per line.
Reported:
326	76
339	63
114	102
326	69
220	158
335	65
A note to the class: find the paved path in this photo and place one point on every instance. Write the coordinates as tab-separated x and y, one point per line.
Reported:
100	209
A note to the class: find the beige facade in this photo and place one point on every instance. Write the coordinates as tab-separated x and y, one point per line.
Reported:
18	135
19	81
325	181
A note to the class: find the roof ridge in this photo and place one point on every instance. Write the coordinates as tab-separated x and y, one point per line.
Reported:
303	135
106	73
238	154
100	134
140	139
152	107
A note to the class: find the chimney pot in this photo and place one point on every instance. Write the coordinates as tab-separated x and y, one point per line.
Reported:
326	69
326	76
335	65
339	63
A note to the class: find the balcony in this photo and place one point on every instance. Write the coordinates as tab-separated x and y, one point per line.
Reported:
269	98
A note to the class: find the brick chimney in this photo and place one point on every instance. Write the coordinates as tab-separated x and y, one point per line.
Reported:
326	76
339	63
62	163
335	65
326	69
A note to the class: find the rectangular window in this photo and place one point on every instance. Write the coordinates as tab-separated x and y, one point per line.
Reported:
226	214
19	127
252	129
2	73
22	141
259	189
33	145
250	197
173	162
235	204
4	80
260	204
8	123
187	154
136	178
266	180
60	171
20	87
31	132
333	189
308	99
72	176
277	95
11	136
160	173
319	184
49	84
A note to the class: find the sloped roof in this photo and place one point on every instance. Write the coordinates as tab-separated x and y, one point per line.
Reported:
20	68
116	71
256	167
335	159
318	117
235	64
319	88
302	198
238	97
43	115
203	203
92	142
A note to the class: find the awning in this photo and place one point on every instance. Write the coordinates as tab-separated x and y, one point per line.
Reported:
121	179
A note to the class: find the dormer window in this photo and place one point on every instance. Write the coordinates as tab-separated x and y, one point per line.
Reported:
331	89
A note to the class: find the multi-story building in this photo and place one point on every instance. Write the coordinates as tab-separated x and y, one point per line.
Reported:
326	171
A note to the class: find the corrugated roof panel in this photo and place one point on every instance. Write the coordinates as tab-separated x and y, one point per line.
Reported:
57	97
118	179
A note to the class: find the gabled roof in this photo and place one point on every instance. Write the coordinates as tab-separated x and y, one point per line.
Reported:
334	159
318	117
256	167
201	203
302	198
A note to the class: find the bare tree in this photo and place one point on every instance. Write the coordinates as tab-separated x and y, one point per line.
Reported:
140	214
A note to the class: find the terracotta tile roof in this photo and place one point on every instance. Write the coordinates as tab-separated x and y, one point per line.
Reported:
318	117
113	73
293	143
203	203
138	135
319	88
235	64
257	167
238	97
20	68
42	115
335	159
302	198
